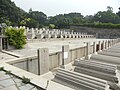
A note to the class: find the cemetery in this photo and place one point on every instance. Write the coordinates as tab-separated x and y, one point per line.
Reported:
55	59
59	45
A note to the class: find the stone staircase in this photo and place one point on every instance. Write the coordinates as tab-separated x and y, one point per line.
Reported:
100	70
80	81
96	69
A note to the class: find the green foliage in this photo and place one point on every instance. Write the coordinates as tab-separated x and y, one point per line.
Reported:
106	17
25	80
109	9
103	25
29	22
118	13
51	26
65	20
8	72
15	16
16	37
10	13
1	68
40	17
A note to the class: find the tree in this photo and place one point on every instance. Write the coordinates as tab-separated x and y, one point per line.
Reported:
109	8
106	17
29	22
118	12
89	19
65	20
16	37
40	17
30	10
9	11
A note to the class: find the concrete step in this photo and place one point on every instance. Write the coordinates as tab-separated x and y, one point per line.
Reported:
97	74
81	80
106	59
114	86
97	66
109	53
113	50
100	70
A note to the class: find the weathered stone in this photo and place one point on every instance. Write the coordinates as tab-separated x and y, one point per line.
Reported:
43	61
13	87
94	47
87	50
81	81
106	59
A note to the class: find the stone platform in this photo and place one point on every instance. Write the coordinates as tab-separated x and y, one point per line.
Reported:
44	81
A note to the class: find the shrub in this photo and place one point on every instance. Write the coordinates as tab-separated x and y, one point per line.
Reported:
102	25
25	80
1	68
16	37
8	72
51	26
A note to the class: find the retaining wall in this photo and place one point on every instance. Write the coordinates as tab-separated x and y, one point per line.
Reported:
55	60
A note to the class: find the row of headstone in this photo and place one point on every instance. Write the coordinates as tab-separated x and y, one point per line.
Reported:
35	33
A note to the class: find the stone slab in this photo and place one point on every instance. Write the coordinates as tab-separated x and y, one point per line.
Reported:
13	87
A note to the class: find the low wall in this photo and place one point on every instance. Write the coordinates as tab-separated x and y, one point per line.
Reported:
55	60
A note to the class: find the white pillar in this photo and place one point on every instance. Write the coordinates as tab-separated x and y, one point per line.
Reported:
99	45
65	54
94	47
87	50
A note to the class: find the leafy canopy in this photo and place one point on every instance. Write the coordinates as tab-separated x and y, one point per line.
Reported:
15	16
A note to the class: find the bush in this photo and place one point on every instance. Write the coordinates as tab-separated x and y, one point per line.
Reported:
25	80
102	25
51	26
16	37
1	68
8	72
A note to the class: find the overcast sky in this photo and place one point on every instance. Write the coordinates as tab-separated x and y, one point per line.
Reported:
55	7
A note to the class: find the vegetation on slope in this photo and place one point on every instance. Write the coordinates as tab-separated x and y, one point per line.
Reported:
15	16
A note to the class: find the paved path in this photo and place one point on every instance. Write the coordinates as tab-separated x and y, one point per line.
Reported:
4	57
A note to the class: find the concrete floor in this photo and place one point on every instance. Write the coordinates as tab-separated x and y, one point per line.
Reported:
4	57
54	46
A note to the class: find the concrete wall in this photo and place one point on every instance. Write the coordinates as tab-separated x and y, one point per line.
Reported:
29	64
55	60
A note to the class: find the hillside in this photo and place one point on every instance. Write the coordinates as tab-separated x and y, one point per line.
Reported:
10	13
15	16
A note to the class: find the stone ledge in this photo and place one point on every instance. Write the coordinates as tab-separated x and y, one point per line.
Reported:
36	80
